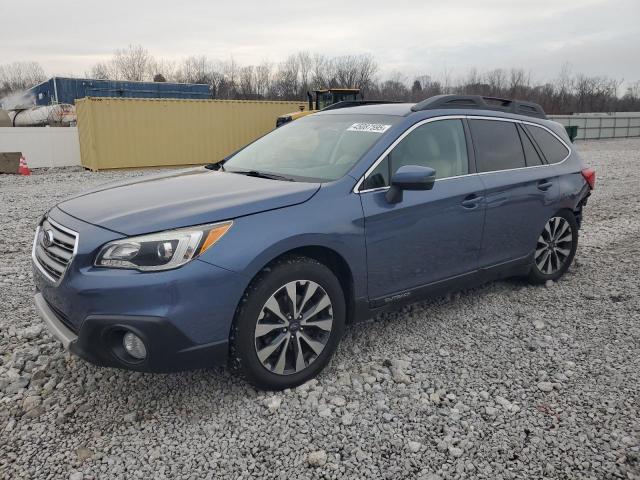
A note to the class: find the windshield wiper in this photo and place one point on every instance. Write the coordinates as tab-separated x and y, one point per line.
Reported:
219	166
256	173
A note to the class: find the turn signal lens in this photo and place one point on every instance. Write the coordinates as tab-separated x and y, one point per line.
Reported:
214	235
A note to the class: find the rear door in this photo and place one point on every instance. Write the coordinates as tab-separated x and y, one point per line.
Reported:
430	235
521	189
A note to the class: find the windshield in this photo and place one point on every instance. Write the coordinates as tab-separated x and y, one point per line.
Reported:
314	148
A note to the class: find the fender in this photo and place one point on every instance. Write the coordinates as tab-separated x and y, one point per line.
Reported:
255	240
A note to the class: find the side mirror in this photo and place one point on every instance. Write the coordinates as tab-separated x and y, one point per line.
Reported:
410	177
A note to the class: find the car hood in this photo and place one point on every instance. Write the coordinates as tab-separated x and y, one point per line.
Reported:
181	199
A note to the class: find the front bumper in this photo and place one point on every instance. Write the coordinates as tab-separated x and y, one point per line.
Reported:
55	326
99	341
183	315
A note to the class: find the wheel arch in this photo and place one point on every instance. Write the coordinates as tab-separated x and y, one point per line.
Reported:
575	211
574	193
331	259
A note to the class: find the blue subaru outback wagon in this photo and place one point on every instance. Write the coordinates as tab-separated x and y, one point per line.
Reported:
264	257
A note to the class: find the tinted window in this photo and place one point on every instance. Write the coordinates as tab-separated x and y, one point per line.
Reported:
379	177
497	145
440	145
530	153
551	147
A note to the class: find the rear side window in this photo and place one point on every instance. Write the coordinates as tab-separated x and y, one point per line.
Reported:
530	153
552	148
497	145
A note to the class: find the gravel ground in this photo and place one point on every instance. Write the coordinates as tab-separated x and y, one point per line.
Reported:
503	381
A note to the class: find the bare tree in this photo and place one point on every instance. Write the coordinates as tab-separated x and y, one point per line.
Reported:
220	88
447	83
247	82
195	70
164	68
366	69
133	63
101	71
472	83
496	81
428	88
395	88
263	79
302	71
519	81
323	71
633	90
19	76
231	71
286	82
346	71
305	65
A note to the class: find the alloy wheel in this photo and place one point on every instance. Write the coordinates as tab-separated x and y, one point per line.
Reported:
293	327
554	245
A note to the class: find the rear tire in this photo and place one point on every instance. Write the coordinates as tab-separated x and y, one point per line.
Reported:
555	248
288	324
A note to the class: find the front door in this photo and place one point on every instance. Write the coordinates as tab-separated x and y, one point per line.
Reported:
430	235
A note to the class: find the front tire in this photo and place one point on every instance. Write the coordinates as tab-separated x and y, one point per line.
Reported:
288	324
555	248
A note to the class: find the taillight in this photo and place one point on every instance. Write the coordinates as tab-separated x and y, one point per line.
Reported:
589	175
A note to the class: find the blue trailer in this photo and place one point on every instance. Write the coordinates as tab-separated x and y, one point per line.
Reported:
67	90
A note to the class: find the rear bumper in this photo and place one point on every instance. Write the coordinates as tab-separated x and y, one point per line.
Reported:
99	341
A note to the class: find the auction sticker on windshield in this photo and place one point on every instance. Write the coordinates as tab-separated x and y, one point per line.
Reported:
368	127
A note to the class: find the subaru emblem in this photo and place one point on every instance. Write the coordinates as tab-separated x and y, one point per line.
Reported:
47	238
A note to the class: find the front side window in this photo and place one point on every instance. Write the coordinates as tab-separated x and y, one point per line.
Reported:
551	147
314	148
497	145
440	145
379	177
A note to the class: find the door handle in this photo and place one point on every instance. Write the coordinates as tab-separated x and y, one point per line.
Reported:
544	185
472	201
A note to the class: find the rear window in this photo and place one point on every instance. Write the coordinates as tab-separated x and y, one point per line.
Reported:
552	148
497	145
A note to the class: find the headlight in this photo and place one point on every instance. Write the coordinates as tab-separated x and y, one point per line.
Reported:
161	251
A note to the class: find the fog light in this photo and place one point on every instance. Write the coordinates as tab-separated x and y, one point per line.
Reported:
134	346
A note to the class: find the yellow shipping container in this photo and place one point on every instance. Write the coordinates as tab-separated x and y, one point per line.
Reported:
126	132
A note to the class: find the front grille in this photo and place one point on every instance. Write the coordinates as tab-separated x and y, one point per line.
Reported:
54	248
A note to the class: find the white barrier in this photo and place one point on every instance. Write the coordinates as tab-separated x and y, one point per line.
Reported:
593	126
43	146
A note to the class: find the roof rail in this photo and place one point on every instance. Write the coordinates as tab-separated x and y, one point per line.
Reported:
355	103
481	103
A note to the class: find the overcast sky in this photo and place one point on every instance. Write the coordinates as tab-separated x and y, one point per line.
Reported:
597	37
